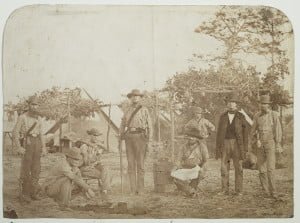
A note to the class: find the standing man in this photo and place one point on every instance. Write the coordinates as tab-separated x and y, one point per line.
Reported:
136	129
28	130
202	125
266	125
232	143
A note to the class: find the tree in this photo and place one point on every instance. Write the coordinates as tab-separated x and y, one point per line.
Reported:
231	26
259	30
272	29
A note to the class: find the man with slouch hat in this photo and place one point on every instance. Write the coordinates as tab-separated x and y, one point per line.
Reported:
64	177
136	130
29	141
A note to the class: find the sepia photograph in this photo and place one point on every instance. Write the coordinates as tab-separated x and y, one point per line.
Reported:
148	112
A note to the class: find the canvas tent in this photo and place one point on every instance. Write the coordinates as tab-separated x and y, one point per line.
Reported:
100	121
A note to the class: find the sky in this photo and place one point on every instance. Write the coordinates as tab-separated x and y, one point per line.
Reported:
107	50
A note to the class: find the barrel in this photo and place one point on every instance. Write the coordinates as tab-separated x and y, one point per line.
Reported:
161	174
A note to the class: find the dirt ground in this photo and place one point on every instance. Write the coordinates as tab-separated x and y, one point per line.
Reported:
158	205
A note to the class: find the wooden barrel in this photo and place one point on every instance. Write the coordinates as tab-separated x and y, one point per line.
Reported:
161	175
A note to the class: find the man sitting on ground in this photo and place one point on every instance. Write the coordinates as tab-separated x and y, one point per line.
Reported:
92	166
65	177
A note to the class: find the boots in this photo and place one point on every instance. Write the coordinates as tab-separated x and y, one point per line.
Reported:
36	188
140	182
132	180
23	195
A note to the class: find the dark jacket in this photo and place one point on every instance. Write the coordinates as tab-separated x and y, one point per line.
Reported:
241	133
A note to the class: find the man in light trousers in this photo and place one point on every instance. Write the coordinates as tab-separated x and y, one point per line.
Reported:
267	126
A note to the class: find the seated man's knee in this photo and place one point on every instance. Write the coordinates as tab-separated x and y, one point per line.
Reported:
66	186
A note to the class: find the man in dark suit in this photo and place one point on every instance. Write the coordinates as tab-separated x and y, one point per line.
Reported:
232	143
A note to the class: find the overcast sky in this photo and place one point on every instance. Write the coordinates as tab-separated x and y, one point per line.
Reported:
106	50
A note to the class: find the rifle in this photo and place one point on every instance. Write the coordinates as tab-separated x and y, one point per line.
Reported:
121	162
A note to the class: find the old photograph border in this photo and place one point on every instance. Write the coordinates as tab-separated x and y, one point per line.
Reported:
288	7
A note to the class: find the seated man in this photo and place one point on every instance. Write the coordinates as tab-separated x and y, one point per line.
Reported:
191	165
65	177
92	166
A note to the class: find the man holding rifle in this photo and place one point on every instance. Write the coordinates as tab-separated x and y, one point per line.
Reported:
136	130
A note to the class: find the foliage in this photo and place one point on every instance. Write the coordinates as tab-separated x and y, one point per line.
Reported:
259	30
232	26
54	103
208	88
274	27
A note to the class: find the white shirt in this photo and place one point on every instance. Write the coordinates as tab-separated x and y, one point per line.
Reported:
231	117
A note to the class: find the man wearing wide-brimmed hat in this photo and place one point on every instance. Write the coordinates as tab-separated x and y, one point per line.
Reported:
199	122
203	125
29	141
191	164
92	166
136	129
232	143
64	177
267	126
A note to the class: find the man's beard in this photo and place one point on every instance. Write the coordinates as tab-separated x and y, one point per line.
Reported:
192	143
34	112
232	109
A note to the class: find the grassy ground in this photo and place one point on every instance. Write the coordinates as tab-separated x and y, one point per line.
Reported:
159	205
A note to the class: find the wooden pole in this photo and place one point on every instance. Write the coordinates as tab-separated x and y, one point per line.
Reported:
60	136
157	116
172	129
69	113
121	162
108	128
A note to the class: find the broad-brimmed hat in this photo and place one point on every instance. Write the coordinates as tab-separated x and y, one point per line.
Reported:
73	153
33	100
232	98
135	92
71	136
197	110
193	133
265	99
94	132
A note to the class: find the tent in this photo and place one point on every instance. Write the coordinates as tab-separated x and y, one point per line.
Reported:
100	121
